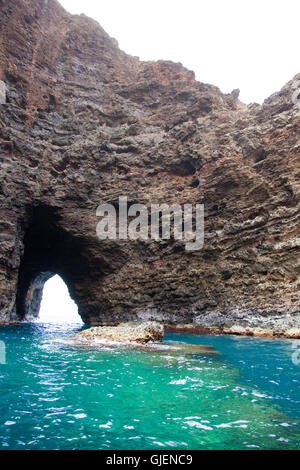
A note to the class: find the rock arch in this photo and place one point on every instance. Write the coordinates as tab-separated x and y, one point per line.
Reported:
82	123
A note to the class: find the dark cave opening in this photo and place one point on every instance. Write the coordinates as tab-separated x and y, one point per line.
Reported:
48	250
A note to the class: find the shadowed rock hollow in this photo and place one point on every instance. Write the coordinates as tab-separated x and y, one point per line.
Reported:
82	123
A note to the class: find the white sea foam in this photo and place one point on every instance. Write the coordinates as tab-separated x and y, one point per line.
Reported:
195	424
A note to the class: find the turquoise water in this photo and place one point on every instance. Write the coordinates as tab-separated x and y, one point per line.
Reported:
54	396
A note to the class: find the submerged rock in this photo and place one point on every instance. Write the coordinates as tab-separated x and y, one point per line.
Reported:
184	349
145	336
140	333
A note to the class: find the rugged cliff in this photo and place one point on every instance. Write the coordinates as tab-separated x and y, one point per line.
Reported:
82	123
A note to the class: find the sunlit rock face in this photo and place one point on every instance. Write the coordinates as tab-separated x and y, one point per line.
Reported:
138	333
82	123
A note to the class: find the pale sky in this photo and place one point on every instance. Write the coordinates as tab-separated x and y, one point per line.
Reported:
248	44
57	306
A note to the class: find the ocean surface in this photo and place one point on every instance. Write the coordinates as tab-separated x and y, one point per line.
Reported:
245	394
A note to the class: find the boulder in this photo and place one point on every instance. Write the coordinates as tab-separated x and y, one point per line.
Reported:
140	333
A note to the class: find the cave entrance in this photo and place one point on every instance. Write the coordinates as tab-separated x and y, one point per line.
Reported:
50	253
56	304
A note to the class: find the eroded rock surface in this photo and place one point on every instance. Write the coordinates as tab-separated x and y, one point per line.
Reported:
84	123
124	333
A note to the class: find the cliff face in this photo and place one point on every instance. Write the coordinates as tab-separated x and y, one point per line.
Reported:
82	123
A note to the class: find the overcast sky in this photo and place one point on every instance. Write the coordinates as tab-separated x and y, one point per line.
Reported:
248	44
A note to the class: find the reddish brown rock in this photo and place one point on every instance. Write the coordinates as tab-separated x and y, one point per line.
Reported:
84	123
